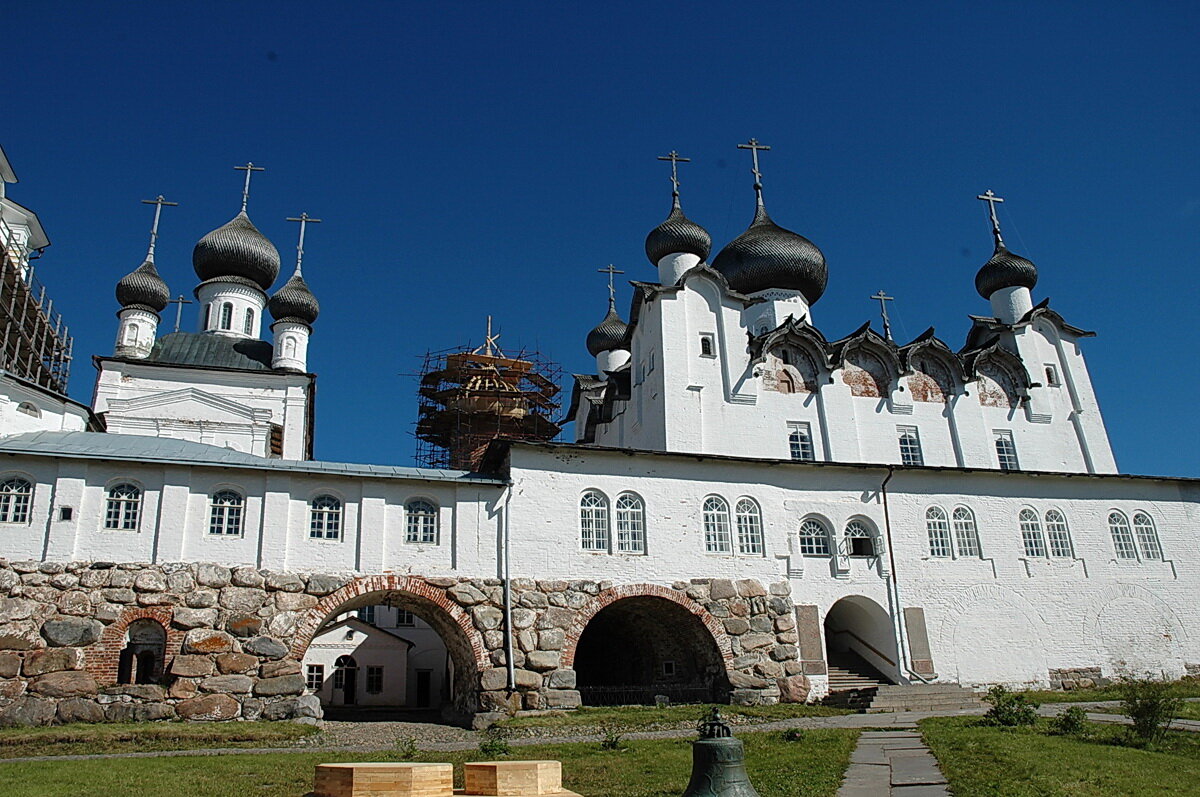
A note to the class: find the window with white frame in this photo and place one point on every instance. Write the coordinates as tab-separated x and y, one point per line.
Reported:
593	521
1118	526
966	534
15	495
374	680
123	507
1147	536
749	527
717	537
631	524
225	514
325	518
1031	533
315	677
708	345
1006	449
421	522
860	540
910	445
814	538
938	528
366	614
227	316
405	618
248	325
1051	375
1058	535
800	442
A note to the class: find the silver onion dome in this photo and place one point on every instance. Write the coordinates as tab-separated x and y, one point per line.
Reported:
1005	270
143	287
677	234
609	334
237	249
768	256
294	302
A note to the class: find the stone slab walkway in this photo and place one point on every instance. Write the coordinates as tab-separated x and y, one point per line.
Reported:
893	763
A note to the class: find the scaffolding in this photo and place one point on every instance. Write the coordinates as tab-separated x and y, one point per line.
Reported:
469	397
34	343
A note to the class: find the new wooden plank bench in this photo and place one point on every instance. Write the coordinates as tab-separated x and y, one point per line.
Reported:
482	779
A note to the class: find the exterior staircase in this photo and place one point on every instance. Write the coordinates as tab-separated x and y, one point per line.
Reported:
855	685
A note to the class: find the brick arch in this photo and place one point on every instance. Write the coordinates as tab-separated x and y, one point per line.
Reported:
613	594
103	658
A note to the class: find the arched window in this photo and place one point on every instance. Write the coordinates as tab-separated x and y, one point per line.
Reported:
593	521
421	522
706	346
225	517
966	535
25	408
248	326
227	316
207	315
345	670
860	541
141	661
1031	533
1122	537
717	537
1147	537
631	524
123	509
15	495
325	518
814	538
749	527
1058	535
938	529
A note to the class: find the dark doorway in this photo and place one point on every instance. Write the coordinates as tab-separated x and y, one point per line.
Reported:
424	687
141	661
345	679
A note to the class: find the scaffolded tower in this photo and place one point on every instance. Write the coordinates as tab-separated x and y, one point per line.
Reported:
469	397
34	343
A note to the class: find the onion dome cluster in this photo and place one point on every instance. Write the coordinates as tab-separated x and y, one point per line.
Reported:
677	235
294	302
143	288
609	334
768	256
237	251
1005	270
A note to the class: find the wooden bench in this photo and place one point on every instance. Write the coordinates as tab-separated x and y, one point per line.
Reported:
384	780
514	779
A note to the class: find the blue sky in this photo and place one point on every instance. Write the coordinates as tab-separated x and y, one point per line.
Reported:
487	158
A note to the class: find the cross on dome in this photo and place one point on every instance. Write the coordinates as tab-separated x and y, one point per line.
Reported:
675	159
249	169
989	196
158	203
304	220
883	299
610	270
754	148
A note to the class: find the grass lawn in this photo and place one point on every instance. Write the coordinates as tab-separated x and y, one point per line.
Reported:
981	761
640	717
1189	687
811	767
1189	711
133	737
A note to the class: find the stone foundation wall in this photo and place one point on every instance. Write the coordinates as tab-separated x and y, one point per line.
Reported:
1077	678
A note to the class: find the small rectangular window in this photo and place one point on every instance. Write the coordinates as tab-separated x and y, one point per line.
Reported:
650	363
367	615
1006	450
374	680
405	618
1052	375
910	445
315	677
708	344
800	442
668	669
66	513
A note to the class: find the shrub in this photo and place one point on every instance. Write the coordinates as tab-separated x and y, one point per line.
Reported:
793	735
613	733
1069	722
1009	709
1150	704
406	748
495	743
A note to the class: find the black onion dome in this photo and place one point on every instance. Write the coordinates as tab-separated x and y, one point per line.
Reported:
143	287
237	249
678	234
294	302
609	334
768	256
1005	270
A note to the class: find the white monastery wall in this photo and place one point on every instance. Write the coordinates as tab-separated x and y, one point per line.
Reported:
25	409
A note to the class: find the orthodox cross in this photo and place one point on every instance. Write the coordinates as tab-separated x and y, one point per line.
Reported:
883	300
304	220
179	302
610	270
491	347
989	196
249	169
754	148
675	160
158	203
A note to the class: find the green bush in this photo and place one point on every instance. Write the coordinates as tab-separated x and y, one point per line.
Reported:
793	735
613	733
1009	709
1069	722
1150	704
495	743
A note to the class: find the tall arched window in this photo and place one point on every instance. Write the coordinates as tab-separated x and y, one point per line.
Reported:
227	316
421	522
1031	533
225	517
860	541
593	521
325	518
248	326
717	537
207	315
749	527
123	509
1147	537
966	535
1058	535
1122	537
814	538
631	524
15	496
938	529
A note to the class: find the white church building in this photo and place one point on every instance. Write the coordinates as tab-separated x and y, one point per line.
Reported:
747	507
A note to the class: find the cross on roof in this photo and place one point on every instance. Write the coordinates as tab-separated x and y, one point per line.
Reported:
675	159
158	203
989	196
249	169
179	301
610	270
883	300
754	148
304	220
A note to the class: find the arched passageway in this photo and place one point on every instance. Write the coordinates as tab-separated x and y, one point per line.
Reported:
142	659
860	638
639	649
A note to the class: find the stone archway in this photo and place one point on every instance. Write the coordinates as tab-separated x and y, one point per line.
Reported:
859	631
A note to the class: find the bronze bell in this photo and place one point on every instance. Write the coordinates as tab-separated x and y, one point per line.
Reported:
718	762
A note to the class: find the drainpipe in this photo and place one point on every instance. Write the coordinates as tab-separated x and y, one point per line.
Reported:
507	580
893	582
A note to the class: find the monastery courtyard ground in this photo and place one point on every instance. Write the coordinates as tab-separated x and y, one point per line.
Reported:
791	751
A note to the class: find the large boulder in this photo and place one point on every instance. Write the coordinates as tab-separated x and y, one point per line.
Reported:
793	689
40	662
210	575
236	663
282	685
78	709
187	619
207	640
209	708
227	684
28	711
192	666
266	647
69	683
71	632
20	635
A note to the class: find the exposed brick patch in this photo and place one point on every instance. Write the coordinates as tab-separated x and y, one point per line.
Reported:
103	657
